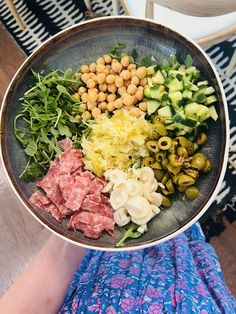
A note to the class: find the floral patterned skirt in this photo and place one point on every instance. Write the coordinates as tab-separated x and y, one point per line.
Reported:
181	275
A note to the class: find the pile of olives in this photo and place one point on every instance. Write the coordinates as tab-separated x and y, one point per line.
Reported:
176	163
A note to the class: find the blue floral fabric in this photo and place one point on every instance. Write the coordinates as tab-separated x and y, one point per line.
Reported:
181	275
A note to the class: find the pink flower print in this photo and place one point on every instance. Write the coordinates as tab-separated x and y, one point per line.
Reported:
134	270
117	281
128	281
155	308
96	307
172	288
75	305
124	263
127	304
151	292
178	297
110	310
203	312
181	284
201	290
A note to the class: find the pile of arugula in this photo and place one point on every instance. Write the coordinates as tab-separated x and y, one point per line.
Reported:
48	114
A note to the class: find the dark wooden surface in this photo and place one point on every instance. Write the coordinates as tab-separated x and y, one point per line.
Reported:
22	236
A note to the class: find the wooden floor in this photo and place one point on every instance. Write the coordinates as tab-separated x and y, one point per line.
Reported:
22	236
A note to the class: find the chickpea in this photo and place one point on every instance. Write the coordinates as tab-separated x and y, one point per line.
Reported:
96	112
102	87
136	112
108	66
112	88
86	115
115	61
100	68
139	94
90	105
135	80
76	96
101	77
106	71
92	75
116	67
101	97
107	59
112	72
132	89
128	100
91	83
84	68
83	106
125	61
111	97
82	90
93	90
118	103
78	74
141	72
85	77
111	106
92	96
143	106
127	83
143	82
84	97
102	105
131	67
119	81
125	74
100	61
135	101
110	79
121	90
92	67
133	73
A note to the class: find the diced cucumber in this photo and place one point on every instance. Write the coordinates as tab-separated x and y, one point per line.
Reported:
165	112
191	70
149	79
194	87
203	83
155	92
187	94
152	106
175	98
199	92
212	112
189	122
147	92
158	78
171	127
210	90
174	84
209	100
151	70
202	111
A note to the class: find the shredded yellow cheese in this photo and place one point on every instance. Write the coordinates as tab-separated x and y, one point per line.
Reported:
116	142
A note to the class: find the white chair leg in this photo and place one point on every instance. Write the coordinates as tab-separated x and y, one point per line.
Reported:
115	6
149	12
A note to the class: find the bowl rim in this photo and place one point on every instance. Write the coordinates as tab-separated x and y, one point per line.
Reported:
226	146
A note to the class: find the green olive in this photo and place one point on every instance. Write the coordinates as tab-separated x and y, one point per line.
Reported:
181	189
176	177
173	169
190	148
202	138
185	180
166	202
147	161
160	156
156	165
159	174
152	146
207	167
191	172
159	119
165	192
191	193
170	186
160	128
164	142
173	147
175	160
165	162
165	178
199	161
182	151
183	141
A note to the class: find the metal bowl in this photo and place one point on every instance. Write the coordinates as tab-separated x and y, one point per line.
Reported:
84	43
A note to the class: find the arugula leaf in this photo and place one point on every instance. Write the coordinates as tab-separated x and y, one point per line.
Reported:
188	61
134	54
147	61
115	50
129	233
34	171
31	148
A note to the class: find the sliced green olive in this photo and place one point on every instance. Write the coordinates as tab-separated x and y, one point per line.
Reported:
166	202
165	162
160	156
147	161
170	186
152	146
175	160
173	147
192	173
207	167
176	177
164	142
165	192
160	128
191	193
165	178
182	151
181	189
173	169
202	138
159	174
199	161
185	180
156	165
183	141
190	148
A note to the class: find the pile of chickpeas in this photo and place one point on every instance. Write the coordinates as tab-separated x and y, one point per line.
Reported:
111	84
